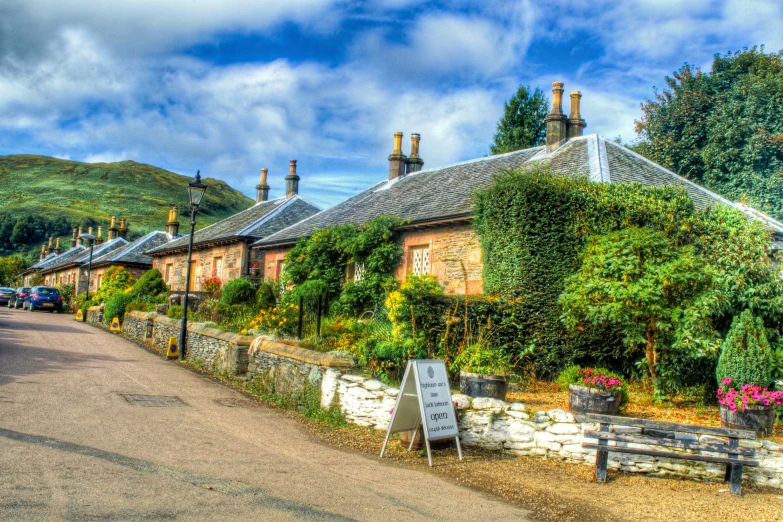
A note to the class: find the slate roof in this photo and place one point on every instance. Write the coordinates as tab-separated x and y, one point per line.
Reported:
444	193
52	259
133	253
260	220
82	256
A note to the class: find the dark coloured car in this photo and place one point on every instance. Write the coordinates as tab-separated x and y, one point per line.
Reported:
6	294
43	298
17	301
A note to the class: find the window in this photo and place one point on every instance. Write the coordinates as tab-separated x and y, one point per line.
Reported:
169	273
420	260
100	278
217	267
358	272
280	270
194	278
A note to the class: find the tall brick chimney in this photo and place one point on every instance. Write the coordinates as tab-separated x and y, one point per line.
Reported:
172	225
576	125
292	181
556	121
99	236
123	230
414	163
397	159
57	246
262	189
112	229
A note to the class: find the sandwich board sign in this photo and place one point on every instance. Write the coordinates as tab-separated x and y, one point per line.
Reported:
425	400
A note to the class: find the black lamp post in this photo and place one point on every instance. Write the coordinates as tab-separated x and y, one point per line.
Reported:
196	191
91	242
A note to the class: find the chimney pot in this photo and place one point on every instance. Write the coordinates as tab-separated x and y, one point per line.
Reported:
57	246
397	159
292	181
262	189
414	163
556	122
576	124
79	236
172	225
123	230
99	236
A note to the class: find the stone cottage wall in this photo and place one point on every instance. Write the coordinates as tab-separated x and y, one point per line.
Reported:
234	257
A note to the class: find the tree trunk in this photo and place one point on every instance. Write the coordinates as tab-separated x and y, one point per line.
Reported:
652	355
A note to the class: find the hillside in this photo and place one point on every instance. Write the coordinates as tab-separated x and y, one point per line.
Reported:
42	196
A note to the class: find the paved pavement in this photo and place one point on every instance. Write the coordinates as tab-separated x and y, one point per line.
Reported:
75	446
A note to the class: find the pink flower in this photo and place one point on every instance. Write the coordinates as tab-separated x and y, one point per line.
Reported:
726	381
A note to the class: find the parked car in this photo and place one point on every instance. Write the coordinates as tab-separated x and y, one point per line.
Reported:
17	301
43	298
6	294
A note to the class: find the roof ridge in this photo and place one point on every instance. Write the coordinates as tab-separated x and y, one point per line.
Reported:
132	246
263	219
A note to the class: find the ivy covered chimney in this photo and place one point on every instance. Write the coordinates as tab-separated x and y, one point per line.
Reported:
262	189
292	181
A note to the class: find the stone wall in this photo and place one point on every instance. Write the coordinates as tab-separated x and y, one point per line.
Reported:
95	314
234	256
138	325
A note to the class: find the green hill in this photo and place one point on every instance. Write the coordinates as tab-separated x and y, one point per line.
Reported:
42	196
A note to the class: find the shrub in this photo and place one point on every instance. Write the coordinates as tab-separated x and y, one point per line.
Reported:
600	378
265	296
212	286
484	360
175	311
238	291
280	320
746	356
36	279
150	283
116	304
67	292
116	279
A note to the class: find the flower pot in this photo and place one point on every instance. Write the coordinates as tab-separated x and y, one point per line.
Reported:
583	399
479	385
758	418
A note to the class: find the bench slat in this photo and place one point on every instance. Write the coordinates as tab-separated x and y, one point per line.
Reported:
665	426
653	453
674	443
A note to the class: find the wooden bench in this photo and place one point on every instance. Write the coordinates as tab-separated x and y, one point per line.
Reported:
655	433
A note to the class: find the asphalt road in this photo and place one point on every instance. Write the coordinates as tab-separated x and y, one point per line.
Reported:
73	445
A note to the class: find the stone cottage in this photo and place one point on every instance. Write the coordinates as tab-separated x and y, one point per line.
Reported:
223	248
439	238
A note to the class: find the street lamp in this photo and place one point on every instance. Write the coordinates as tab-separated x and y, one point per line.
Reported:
91	242
196	191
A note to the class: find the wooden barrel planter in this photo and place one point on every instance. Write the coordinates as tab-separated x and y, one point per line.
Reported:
758	418
479	385
582	399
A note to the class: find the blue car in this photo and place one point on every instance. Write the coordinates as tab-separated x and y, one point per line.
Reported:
43	298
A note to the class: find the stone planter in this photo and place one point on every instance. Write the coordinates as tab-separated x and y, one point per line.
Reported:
759	418
479	385
582	399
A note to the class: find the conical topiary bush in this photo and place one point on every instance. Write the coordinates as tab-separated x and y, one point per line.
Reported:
745	355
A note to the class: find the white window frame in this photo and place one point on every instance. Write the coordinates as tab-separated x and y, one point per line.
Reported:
420	260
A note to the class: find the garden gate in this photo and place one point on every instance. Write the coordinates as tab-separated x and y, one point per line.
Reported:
311	309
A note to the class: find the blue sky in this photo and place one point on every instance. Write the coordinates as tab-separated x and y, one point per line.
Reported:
229	87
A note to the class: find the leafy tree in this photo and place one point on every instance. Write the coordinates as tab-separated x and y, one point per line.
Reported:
639	282
722	129
10	268
522	125
746	355
36	279
116	279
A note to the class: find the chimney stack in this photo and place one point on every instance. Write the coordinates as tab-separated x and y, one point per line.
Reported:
172	225
42	256
262	189
79	236
112	229
99	236
576	125
123	230
73	238
556	122
292	181
414	163
397	159
49	246
57	246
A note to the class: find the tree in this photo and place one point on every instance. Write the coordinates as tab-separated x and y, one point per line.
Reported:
10	268
722	129
746	354
522	125
638	282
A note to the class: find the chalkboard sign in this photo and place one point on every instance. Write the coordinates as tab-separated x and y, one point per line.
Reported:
425	400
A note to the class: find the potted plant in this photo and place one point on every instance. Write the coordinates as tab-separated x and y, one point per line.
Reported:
751	408
483	371
593	390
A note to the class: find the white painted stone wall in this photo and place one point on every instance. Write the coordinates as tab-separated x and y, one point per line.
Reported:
496	425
